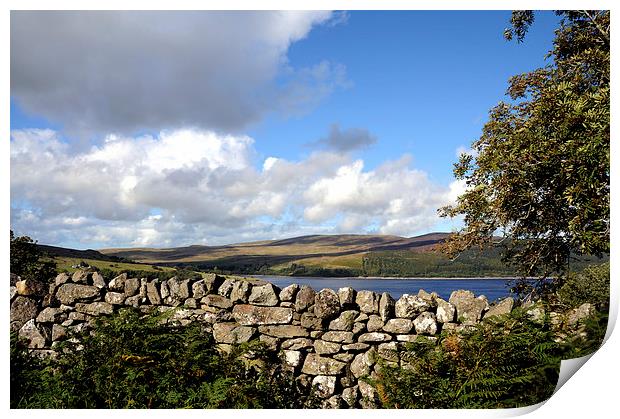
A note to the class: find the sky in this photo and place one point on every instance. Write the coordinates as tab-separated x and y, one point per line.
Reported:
166	129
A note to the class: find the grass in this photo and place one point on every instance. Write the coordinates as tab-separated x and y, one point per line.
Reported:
65	264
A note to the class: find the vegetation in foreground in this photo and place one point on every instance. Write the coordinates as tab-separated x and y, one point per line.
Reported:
137	361
509	362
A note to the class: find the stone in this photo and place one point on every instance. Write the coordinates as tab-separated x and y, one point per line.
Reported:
250	315
358	328
388	351
70	293
23	309
179	290
310	321
425	324
58	332
362	317
445	311
226	288
292	358
240	292
398	326
430	298
152	292
355	347
368	394
316	334
165	291
98	280
62	278
304	299
288	293
199	289
576	316
297	344
94	309
318	365
78	316
345	321
115	298
33	336
324	385
322	347
503	307
284	331
288	304
468	308
344	357
362	363
334	402
269	341
52	315
406	338
326	304
409	306
337	336
134	301
212	282
536	314
190	303
29	287
348	380
349	395
143	292
177	314
368	302
80	277
232	333
386	306
346	295
117	283
49	299
264	295
13	292
374	337
374	323
215	300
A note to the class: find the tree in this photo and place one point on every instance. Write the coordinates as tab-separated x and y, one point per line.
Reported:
539	173
27	261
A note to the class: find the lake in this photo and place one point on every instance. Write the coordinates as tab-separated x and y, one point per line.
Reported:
491	288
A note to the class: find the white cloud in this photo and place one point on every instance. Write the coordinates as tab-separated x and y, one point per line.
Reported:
129	71
196	186
465	150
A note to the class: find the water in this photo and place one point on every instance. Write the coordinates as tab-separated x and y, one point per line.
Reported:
491	288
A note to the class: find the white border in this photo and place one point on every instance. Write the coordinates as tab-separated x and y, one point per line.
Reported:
592	392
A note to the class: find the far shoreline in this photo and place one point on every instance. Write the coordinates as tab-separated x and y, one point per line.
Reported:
443	278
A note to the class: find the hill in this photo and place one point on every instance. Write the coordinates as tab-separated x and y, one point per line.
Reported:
337	255
316	255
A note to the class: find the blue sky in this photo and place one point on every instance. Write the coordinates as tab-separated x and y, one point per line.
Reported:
174	129
421	81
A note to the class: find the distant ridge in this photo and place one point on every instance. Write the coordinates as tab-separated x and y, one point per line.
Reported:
56	251
294	248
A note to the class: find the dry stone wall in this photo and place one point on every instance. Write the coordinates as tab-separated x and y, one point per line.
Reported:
330	339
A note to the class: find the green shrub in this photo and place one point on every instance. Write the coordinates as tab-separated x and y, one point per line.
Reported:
588	286
509	362
28	261
136	361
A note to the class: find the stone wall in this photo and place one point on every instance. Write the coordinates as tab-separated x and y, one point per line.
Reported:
330	339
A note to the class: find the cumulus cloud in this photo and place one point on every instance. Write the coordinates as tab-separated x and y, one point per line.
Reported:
196	186
346	140
396	198
131	71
